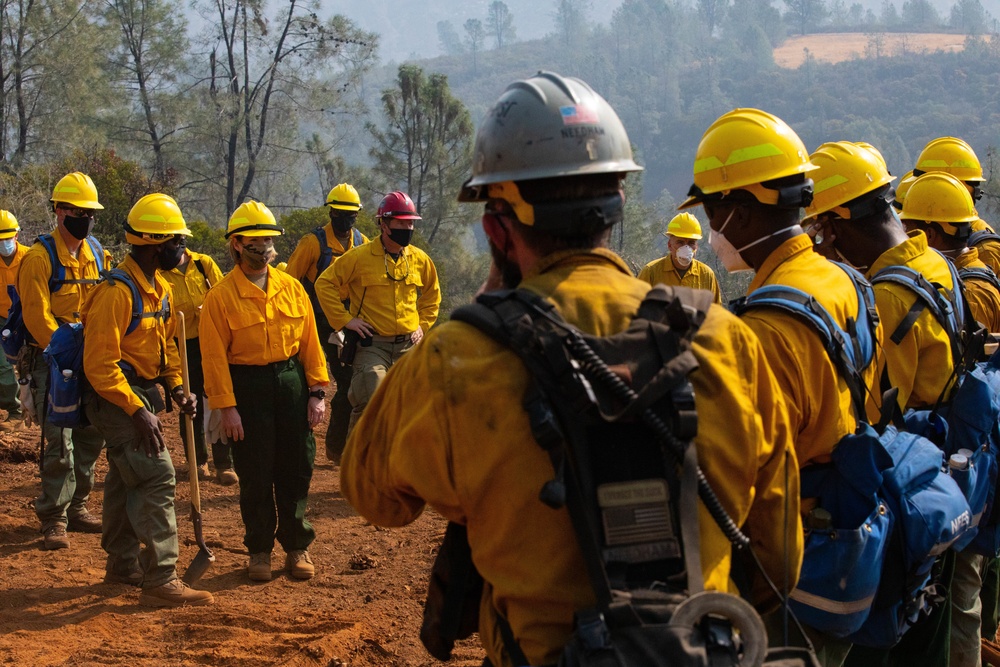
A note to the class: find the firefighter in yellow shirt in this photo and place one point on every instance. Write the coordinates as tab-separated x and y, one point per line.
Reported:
385	295
50	295
11	254
448	428
852	214
124	368
313	254
751	174
941	207
265	372
190	281
679	267
954	156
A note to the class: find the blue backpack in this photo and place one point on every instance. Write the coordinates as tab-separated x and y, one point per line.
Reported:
64	355
887	497
326	255
15	333
971	419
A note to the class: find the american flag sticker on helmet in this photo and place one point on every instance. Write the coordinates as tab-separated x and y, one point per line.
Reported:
579	114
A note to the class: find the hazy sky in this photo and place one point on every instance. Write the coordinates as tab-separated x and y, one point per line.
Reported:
409	27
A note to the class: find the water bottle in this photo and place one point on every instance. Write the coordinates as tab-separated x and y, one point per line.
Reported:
958	468
819	519
67	374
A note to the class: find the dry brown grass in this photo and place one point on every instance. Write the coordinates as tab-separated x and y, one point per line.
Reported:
840	46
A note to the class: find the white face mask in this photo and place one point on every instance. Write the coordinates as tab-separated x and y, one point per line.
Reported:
7	247
684	255
727	253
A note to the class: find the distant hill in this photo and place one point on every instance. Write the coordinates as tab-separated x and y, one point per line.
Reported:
840	46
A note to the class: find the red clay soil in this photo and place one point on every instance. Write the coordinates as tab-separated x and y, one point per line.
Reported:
363	607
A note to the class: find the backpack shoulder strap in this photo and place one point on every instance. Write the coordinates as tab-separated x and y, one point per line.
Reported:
851	349
325	251
975	238
98	251
948	309
979	273
58	276
199	264
114	275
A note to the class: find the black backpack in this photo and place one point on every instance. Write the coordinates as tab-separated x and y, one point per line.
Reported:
633	505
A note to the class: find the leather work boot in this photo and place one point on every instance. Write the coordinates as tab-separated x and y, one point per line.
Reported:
260	566
85	523
203	473
299	564
227	477
132	577
11	424
174	594
54	537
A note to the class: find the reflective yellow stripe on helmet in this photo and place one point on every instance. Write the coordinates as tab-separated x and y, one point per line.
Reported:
737	156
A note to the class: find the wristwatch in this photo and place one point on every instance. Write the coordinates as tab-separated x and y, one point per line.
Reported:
319	393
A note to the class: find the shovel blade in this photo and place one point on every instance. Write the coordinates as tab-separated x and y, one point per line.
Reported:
199	566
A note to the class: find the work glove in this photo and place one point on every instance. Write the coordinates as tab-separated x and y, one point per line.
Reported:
213	427
27	403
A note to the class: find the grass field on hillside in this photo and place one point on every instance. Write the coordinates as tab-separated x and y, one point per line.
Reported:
837	47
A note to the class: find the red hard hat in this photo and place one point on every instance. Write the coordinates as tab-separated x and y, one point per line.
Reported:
397	205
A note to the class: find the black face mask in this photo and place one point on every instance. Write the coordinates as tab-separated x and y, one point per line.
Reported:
401	236
169	257
342	223
79	228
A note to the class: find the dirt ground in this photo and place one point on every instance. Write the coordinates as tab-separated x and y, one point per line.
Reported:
363	607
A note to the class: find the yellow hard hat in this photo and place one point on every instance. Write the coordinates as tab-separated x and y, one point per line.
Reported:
684	226
282	266
8	225
77	189
941	198
252	218
155	218
845	172
952	156
902	188
741	150
344	197
874	151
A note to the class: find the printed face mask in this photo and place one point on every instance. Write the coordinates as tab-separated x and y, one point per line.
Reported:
727	253
684	255
257	257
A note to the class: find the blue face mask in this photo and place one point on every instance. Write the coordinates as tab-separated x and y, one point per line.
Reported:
7	247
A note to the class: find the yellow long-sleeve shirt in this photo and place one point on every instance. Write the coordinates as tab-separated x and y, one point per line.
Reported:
302	263
242	324
394	296
466	449
149	349
190	286
43	312
982	297
697	276
989	250
8	274
921	363
818	400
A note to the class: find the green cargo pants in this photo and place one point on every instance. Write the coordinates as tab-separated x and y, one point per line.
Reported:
990	598
68	460
138	500
8	384
275	458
